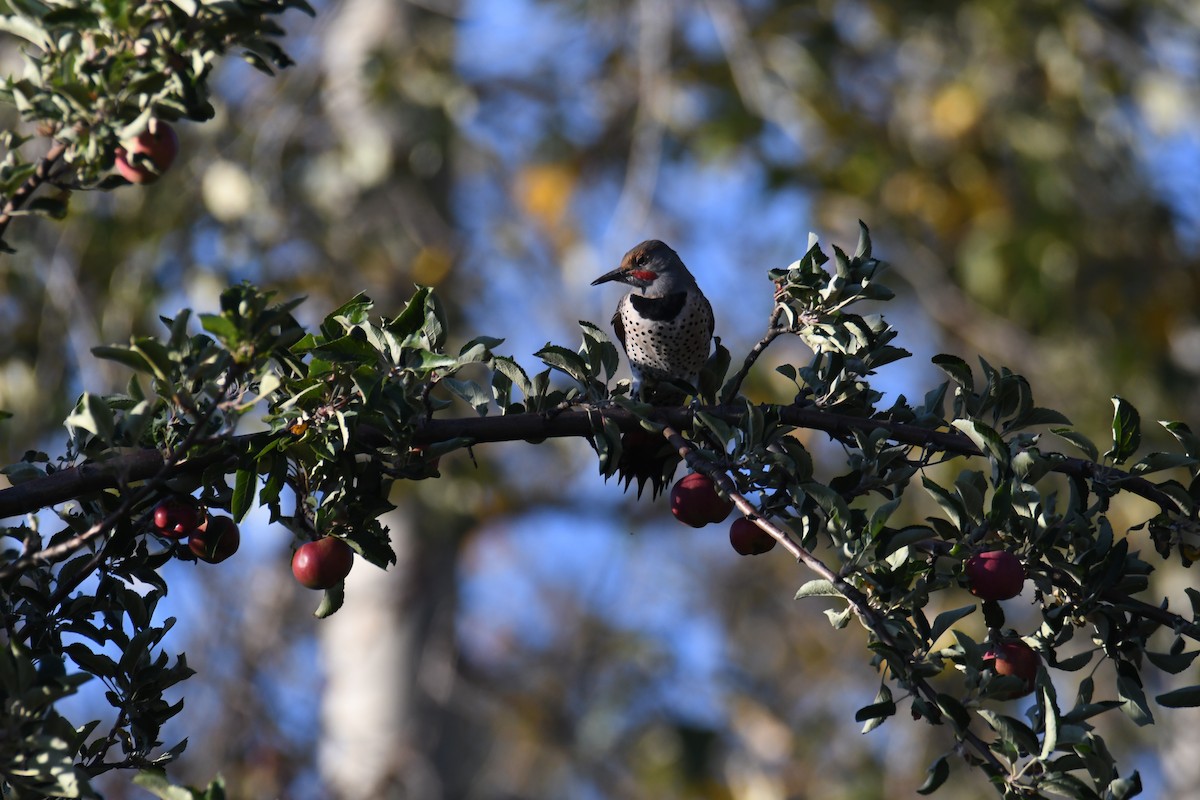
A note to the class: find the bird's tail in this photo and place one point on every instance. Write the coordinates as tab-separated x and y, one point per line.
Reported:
646	457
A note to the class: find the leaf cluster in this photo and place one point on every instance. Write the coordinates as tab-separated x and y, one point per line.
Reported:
356	404
96	72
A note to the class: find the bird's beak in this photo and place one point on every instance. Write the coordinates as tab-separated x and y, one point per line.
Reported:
617	274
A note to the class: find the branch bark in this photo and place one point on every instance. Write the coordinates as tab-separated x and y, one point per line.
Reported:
142	465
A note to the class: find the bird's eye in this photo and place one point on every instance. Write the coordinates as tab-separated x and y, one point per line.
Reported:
640	259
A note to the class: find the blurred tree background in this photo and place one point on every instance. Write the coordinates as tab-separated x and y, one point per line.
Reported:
1030	170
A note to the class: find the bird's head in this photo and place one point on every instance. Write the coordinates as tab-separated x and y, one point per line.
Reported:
652	268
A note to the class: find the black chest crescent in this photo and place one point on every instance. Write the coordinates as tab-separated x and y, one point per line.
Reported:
659	309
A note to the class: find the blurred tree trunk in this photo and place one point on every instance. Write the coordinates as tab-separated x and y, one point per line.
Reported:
390	663
370	660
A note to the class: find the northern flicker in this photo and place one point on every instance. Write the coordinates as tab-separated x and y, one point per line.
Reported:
665	324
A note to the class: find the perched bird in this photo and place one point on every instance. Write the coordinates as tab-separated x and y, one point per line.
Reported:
665	325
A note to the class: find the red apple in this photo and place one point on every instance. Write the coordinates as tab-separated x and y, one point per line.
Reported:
995	575
148	156
178	516
216	540
1013	657
749	539
695	502
323	563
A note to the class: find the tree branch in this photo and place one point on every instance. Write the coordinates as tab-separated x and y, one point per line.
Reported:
143	464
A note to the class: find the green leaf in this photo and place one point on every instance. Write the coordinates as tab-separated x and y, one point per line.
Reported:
1012	731
712	375
334	597
1187	697
1129	690
937	774
155	782
1173	663
412	318
1085	711
1041	416
566	361
475	395
986	439
818	587
945	620
958	370
832	503
607	442
880	710
93	414
880	516
52	207
877	712
1124	788
1155	462
955	711
27	30
477	350
599	350
510	369
93	663
22	472
1075	662
1183	434
1126	430
1051	717
347	349
244	487
1079	440
222	327
162	365
863	250
890	543
1064	784
950	504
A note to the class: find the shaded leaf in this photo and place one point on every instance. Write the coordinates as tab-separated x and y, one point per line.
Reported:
986	439
936	775
1187	697
1079	440
958	370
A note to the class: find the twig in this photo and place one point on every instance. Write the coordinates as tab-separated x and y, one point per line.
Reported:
773	332
1152	612
40	175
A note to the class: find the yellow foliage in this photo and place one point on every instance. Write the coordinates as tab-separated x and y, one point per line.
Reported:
544	192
